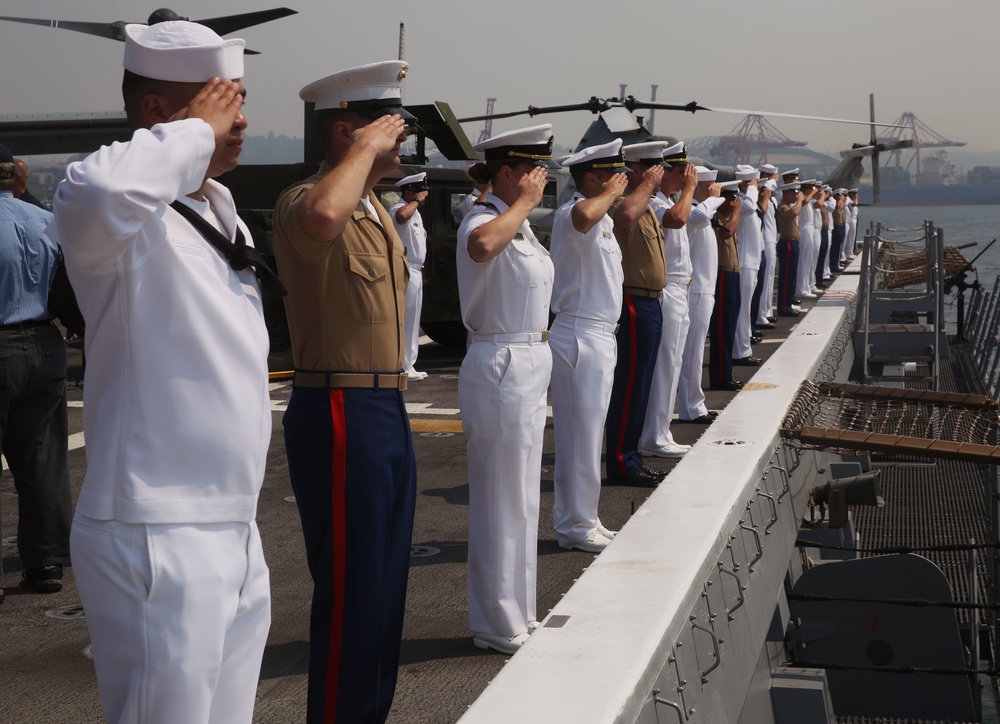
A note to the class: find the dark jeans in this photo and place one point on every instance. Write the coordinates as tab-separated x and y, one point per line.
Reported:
33	438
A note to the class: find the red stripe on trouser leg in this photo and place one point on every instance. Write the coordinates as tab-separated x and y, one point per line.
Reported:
339	532
628	385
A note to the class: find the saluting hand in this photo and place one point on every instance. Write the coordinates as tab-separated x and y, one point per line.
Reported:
532	185
690	176
217	103
652	176
616	185
715	190
383	135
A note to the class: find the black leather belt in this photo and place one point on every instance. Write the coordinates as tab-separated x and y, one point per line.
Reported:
366	380
641	292
24	326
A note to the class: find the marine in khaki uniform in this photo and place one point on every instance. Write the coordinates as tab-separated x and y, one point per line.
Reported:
347	435
722	326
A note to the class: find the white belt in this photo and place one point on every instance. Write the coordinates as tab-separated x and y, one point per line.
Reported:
415	267
678	280
520	337
569	320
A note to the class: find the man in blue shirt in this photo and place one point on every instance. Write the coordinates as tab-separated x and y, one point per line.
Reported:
33	423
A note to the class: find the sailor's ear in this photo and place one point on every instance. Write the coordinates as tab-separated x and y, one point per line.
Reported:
155	109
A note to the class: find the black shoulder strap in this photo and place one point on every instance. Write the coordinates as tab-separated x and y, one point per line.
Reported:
239	255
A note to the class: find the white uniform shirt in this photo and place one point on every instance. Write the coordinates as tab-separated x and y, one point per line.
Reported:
807	222
676	247
750	238
469	201
176	408
769	223
412	234
704	245
588	267
510	293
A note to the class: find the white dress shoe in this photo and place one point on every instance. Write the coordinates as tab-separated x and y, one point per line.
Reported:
415	375
532	625
499	643
808	295
671	450
605	532
593	543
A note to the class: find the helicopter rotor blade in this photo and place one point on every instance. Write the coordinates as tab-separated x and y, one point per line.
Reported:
112	31
743	112
594	105
232	23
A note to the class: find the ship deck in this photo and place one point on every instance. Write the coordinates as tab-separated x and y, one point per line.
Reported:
47	675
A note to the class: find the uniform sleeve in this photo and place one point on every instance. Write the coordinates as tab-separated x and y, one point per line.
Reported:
106	198
701	215
288	229
748	201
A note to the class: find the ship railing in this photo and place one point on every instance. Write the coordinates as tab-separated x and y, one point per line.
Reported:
671	620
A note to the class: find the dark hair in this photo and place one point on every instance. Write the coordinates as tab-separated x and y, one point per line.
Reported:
478	172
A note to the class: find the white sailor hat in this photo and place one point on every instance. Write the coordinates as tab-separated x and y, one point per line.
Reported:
676	155
852	191
530	144
416	179
746	173
706	174
794	186
827	187
768	168
605	157
771	185
181	52
649	153
371	90
790	172
730	188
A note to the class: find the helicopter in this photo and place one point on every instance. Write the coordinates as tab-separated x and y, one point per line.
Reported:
116	30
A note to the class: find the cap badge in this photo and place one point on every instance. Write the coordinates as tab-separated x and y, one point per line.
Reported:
402	72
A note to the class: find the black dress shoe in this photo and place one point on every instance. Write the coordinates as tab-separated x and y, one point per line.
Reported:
756	339
747	362
707	419
640	477
730	386
772	320
796	300
766	325
789	313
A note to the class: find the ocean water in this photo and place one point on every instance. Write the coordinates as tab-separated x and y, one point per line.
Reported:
961	224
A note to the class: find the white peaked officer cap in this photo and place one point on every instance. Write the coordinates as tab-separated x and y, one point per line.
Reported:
794	186
813	183
768	168
840	192
650	152
706	174
371	90
771	184
529	144
676	155
790	172
416	179
605	157
746	173
731	188
181	52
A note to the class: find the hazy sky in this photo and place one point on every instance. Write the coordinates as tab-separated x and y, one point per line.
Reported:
938	60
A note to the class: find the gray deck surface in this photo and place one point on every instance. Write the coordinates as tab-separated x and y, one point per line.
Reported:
46	677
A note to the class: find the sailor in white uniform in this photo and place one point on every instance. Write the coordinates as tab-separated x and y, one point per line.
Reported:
751	250
830	202
587	300
765	311
851	240
808	244
410	227
701	296
679	178
166	552
505	288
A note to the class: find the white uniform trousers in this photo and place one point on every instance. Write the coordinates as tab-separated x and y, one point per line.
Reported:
584	352
666	373
741	342
178	616
767	294
808	251
502	393
690	395
411	333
